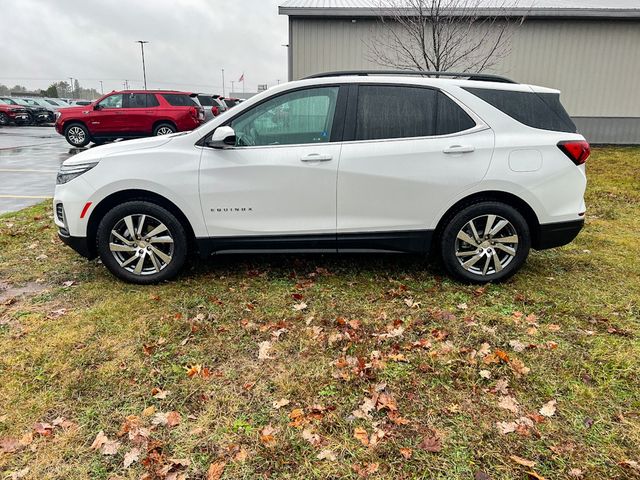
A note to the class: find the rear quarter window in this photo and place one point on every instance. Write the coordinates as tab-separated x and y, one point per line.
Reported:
179	100
537	110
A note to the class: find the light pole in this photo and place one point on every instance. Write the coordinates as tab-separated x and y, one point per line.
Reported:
223	92
71	88
101	88
144	69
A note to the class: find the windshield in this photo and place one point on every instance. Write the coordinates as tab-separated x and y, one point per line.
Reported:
8	101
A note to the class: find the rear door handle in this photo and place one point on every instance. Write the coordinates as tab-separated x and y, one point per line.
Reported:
460	149
316	157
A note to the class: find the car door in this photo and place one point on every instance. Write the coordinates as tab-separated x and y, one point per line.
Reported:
107	118
411	149
278	183
133	113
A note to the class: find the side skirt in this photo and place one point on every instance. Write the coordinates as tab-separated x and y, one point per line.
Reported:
415	241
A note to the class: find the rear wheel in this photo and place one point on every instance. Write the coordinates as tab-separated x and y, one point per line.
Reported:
485	242
77	135
164	129
141	242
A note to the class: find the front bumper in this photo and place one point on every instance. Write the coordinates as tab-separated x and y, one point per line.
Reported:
79	244
553	235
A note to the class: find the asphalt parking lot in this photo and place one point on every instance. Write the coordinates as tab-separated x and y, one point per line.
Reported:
29	160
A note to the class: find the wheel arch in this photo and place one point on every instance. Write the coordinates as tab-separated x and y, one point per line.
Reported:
122	196
497	196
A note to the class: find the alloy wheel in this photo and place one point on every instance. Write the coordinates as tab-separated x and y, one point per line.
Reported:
486	245
76	135
164	131
141	244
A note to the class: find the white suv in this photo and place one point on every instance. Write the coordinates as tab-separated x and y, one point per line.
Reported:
477	169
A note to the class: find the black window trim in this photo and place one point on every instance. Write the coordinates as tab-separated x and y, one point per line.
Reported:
337	128
351	115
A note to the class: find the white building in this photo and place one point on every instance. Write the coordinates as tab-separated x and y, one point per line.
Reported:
588	49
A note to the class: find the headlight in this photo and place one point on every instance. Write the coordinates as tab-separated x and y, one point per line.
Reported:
69	172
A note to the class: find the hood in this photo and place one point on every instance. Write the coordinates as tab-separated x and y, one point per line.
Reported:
109	150
78	109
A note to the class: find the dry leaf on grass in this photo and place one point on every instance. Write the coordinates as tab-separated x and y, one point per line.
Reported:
278	404
131	457
548	409
215	470
406	453
522	461
361	435
263	350
431	443
327	454
313	438
509	403
106	446
267	436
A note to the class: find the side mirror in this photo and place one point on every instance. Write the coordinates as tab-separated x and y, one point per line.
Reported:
223	137
97	106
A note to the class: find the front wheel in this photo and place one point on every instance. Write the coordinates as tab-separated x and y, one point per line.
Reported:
4	119
77	135
141	242
485	242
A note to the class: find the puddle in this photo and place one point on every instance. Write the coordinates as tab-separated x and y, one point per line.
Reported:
9	292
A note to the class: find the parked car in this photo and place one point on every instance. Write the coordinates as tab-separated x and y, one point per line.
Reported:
212	105
232	102
37	114
16	114
30	103
130	114
478	170
56	102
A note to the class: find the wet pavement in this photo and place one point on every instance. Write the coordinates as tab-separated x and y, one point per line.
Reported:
29	160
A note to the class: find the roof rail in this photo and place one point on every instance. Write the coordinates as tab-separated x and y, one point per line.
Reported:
484	77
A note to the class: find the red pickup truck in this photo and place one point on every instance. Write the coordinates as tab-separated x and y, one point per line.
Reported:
130	114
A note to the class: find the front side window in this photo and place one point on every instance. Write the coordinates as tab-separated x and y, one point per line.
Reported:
301	117
112	101
387	112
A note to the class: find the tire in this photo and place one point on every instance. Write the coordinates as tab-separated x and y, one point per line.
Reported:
164	129
121	254
481	258
4	119
77	135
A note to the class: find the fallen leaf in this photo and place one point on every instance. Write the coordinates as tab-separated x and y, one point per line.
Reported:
517	345
19	474
263	350
509	403
147	412
160	394
313	438
632	464
106	446
548	409
9	445
131	457
173	419
278	404
406	453
366	470
431	443
300	306
576	473
480	475
193	370
386	400
522	461
361	435
327	454
215	470
267	436
536	476
486	374
506	427
44	429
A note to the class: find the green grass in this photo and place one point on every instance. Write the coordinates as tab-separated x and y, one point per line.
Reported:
89	365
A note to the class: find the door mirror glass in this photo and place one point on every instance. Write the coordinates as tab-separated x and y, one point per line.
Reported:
223	137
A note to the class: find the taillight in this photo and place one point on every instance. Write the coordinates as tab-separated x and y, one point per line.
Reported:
215	111
578	151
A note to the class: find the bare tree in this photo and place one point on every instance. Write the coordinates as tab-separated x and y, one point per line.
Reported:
440	35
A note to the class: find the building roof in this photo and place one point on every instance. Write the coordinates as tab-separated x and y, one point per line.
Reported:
621	9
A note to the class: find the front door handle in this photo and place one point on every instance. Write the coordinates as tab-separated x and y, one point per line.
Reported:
316	157
460	149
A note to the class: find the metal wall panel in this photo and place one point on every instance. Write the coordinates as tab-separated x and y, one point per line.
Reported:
596	64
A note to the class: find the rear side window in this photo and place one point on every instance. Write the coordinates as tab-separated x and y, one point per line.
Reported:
537	110
179	100
403	112
205	100
136	100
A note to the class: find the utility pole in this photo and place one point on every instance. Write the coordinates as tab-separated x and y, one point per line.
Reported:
233	89
144	69
71	89
223	92
101	88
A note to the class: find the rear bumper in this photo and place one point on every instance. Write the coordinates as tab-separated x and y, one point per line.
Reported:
553	235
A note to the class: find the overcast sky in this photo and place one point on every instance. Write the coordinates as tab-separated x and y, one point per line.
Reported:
43	41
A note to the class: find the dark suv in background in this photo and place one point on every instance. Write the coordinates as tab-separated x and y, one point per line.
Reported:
130	114
36	113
